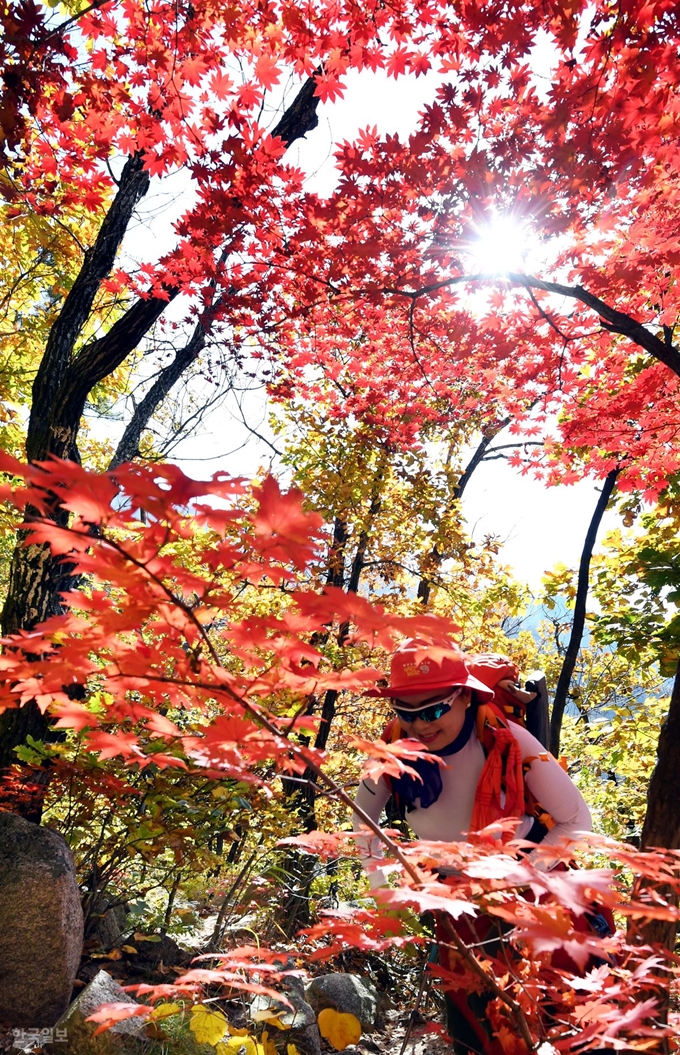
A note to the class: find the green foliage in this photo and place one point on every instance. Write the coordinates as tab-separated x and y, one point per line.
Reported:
400	518
173	1035
138	836
637	583
614	754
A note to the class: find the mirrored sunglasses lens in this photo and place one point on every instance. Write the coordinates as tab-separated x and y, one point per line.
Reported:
428	714
433	713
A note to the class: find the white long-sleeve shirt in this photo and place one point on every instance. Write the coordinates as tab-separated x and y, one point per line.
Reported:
448	819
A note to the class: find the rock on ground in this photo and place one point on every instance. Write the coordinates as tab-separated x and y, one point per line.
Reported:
301	1026
79	1033
41	924
347	993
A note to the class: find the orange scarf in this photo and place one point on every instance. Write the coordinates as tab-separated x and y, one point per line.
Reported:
500	789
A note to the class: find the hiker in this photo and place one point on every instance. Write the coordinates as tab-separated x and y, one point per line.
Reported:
487	762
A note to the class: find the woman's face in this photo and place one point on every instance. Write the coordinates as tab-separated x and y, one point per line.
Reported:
443	731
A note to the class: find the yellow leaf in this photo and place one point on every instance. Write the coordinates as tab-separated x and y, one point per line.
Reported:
338	1029
269	1016
128	948
292	1050
268	1046
164	1011
207	1026
239	1046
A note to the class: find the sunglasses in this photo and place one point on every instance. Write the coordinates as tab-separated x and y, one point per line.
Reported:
430	713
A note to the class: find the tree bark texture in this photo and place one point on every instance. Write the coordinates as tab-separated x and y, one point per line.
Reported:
579	620
65	378
662	819
55	407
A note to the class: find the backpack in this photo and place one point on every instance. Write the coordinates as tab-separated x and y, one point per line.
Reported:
491	668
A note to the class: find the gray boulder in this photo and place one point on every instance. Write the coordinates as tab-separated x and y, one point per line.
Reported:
41	924
347	993
301	1028
77	1033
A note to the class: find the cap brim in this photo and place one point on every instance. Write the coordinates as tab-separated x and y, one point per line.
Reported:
405	691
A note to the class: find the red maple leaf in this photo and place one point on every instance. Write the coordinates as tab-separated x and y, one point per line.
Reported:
267	72
329	87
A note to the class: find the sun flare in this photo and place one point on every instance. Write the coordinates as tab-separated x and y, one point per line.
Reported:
499	246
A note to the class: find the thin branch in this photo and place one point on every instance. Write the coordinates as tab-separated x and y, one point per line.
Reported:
512	446
254	432
128	448
548	318
613	320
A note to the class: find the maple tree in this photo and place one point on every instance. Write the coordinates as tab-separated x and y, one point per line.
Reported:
357	293
361	285
85	116
179	673
96	104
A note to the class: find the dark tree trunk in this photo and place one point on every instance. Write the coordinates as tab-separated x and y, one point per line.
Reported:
128	447
661	826
579	621
301	868
358	564
661	829
65	378
58	397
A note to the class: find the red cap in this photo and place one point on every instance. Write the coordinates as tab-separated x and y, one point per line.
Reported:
418	666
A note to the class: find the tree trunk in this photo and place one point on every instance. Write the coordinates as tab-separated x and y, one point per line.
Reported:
661	829
661	826
579	621
128	447
301	868
63	382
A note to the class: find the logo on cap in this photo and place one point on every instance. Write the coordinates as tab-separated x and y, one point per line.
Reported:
412	671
